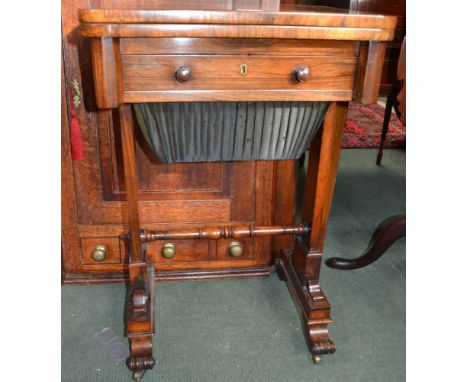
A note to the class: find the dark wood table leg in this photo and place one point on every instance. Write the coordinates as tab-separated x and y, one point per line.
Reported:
140	306
391	99
389	231
300	268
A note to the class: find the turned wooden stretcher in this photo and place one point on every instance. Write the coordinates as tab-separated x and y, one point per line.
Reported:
302	54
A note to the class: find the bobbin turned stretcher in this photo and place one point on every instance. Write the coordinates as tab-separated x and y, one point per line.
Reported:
270	107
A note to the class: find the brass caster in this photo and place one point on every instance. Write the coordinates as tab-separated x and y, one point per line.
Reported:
316	359
138	375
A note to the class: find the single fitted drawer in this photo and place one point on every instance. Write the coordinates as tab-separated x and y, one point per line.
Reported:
235	249
100	251
167	73
225	69
180	251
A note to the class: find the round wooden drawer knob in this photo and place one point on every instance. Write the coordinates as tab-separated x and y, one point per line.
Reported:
235	249
183	74
302	73
99	253
168	250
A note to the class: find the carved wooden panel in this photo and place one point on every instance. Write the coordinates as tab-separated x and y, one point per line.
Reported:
157	180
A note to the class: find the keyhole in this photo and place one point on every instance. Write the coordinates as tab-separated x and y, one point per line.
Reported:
243	69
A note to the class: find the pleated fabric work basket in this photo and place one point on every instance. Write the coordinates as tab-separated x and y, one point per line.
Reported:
229	131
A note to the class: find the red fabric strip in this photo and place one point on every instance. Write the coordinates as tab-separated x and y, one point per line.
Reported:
77	151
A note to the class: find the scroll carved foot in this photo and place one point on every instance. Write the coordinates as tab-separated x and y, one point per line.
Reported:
139	365
141	358
313	308
316	331
140	320
140	362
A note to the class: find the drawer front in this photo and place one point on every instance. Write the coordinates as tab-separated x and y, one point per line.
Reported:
230	72
99	251
196	251
184	251
224	249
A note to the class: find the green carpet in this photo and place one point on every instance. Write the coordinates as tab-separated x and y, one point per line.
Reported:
248	330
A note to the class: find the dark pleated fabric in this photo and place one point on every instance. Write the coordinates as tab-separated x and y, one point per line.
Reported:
229	131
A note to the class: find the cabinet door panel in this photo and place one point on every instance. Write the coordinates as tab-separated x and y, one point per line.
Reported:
204	192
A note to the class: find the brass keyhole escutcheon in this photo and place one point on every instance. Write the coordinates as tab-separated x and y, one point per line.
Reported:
243	69
235	249
168	250
99	253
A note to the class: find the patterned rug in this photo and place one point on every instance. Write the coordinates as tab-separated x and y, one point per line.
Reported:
364	126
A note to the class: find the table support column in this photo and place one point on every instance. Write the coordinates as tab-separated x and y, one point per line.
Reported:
140	304
300	268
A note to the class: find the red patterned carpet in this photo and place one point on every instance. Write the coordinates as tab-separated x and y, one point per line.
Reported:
364	126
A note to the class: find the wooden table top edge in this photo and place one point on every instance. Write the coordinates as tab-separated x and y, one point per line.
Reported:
235	31
333	18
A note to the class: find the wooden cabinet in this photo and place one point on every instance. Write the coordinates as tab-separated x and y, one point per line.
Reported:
181	195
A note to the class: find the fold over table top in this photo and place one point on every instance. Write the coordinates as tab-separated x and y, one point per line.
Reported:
298	22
